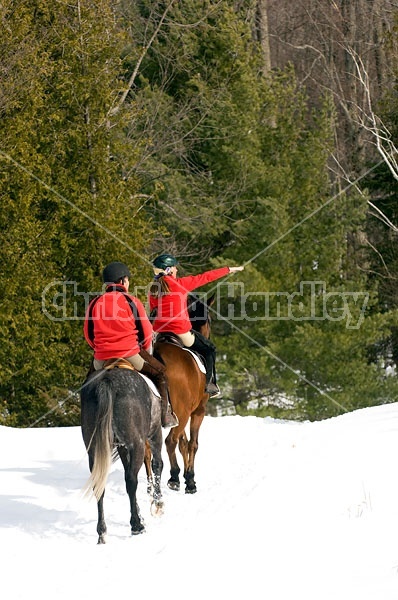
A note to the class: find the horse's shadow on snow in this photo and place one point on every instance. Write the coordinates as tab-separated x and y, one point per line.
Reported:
52	506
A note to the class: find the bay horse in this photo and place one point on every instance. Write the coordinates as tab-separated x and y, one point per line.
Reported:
119	412
187	395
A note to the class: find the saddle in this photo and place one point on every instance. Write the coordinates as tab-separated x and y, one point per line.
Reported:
171	338
117	363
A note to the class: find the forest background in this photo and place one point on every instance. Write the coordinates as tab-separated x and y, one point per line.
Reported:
247	132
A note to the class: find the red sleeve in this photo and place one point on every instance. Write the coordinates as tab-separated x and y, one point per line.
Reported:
191	282
145	322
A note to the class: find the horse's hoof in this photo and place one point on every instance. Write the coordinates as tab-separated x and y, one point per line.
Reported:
191	490
173	485
157	508
101	539
138	531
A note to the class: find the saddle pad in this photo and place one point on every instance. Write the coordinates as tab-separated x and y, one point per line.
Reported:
151	385
199	362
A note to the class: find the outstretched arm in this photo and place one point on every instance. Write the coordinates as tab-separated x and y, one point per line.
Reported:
191	282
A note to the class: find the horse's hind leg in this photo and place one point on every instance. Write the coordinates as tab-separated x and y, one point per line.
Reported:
148	468
193	444
183	448
157	467
101	525
171	444
132	459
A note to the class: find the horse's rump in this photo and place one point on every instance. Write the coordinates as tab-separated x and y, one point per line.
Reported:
117	409
120	389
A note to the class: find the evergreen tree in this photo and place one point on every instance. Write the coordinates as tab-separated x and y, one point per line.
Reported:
68	202
133	128
238	170
199	90
306	350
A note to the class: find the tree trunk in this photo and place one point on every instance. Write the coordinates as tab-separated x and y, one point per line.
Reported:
261	34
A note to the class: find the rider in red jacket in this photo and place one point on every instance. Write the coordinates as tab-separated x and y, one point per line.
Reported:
117	326
115	329
168	299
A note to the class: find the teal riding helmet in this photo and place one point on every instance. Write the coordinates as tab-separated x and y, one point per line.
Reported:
165	260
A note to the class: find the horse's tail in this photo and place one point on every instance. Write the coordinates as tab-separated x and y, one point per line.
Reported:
101	441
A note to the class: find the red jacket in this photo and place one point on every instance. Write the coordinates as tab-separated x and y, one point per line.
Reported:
114	326
172	313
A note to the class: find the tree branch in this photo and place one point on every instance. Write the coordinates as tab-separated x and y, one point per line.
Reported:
113	111
372	123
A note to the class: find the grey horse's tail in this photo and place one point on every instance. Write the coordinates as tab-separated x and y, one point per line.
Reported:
101	443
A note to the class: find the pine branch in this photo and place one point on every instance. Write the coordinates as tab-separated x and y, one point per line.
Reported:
113	111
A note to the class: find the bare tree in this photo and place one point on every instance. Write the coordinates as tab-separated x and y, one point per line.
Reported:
318	38
371	122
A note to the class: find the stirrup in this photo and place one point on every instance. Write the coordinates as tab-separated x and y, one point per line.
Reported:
170	420
213	390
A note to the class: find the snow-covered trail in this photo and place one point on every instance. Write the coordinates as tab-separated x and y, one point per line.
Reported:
283	510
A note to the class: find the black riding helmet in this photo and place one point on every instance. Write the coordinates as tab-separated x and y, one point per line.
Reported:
165	260
114	272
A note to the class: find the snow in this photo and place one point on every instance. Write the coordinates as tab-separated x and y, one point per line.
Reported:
284	510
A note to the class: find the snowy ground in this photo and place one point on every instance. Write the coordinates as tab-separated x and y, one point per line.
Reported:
283	511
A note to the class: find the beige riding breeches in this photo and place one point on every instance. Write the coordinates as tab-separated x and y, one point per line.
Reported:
187	339
137	361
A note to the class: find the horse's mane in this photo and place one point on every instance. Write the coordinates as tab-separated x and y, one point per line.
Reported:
198	310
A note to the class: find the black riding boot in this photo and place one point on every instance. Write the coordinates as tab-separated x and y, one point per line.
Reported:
207	349
158	376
